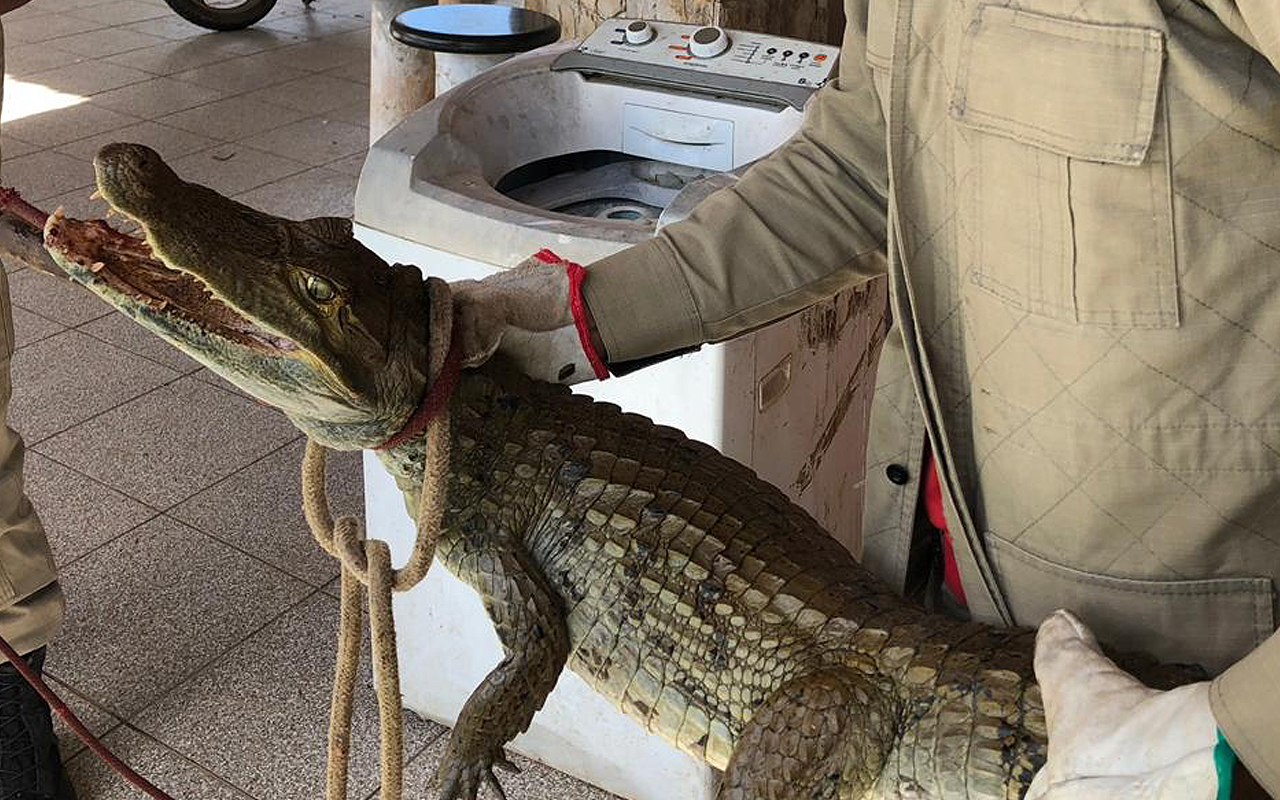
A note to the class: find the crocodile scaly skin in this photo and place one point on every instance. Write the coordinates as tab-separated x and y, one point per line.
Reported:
709	607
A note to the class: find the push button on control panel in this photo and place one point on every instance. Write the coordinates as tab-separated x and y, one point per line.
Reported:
708	42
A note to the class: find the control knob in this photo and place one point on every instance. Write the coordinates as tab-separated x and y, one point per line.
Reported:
708	42
640	32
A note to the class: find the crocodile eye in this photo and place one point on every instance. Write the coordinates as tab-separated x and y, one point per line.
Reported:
319	289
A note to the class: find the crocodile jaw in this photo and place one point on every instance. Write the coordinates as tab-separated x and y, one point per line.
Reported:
182	310
122	270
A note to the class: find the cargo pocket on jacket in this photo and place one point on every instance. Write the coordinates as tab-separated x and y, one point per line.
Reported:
1212	622
1064	177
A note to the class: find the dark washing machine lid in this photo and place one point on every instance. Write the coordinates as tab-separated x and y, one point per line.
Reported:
475	29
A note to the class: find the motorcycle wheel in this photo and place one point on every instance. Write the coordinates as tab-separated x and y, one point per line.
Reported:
222	15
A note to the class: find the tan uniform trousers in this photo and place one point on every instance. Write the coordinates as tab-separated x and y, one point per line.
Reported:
31	601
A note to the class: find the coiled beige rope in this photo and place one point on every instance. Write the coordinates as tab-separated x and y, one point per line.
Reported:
367	563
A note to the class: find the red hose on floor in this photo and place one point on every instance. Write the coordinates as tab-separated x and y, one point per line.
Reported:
76	725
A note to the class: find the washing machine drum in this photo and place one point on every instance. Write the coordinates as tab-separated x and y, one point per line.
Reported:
600	184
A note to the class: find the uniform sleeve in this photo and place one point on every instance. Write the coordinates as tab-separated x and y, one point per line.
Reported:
1244	698
1257	23
802	224
1247	708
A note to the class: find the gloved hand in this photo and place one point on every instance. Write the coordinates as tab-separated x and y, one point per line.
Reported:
528	314
1112	737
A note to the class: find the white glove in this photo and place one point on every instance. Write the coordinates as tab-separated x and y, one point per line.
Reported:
526	314
1110	737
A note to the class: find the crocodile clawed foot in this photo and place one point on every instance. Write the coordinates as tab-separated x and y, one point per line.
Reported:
460	777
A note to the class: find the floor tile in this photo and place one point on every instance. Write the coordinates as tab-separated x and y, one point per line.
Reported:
122	11
12	148
173	27
314	94
258	39
95	719
317	192
29	328
119	330
168	444
155	762
68	124
70	377
314	24
79	514
79	204
62	6
315	141
177	56
243	74
231	119
358	9
23	59
55	298
534	782
325	54
105	42
163	601
156	97
48	26
351	165
235	168
169	142
259	510
44	174
26	11
355	70
88	77
261	714
356	113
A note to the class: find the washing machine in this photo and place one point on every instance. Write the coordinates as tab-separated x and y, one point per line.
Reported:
587	148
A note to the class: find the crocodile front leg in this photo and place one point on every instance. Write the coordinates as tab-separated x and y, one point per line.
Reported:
533	632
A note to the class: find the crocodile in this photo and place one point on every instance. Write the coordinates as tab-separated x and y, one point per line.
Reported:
694	596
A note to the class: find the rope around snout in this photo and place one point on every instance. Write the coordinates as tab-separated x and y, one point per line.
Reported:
367	563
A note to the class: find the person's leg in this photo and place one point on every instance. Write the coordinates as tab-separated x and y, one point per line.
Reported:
31	605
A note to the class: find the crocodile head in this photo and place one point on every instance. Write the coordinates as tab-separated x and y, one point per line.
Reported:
296	313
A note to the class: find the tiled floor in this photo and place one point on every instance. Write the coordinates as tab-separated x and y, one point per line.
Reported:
200	620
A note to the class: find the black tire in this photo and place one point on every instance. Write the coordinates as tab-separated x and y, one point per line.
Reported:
230	18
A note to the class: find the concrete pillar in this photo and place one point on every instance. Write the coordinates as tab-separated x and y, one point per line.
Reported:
401	79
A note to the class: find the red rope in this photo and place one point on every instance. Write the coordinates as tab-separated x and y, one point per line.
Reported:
578	306
55	702
433	400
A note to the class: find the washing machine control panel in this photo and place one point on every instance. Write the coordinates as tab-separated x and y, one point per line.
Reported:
749	66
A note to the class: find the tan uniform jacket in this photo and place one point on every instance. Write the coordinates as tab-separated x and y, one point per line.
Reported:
1077	203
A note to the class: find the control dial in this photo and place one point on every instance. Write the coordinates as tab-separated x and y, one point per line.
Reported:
640	32
708	42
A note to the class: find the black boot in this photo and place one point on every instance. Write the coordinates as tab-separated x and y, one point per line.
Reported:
30	766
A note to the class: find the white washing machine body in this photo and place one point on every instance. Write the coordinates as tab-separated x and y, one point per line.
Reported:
437	192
